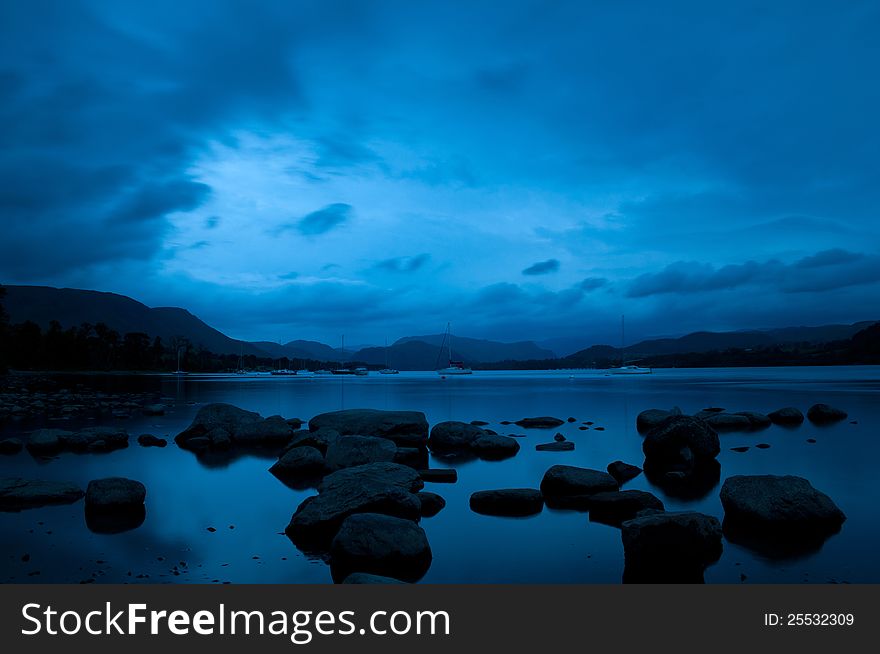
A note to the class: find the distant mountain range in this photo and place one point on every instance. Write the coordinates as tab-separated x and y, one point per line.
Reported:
72	307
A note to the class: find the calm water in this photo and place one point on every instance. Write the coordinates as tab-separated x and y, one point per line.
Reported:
184	498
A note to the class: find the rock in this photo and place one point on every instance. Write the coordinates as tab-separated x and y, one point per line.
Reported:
650	418
148	440
439	475
555	446
777	514
115	493
763	446
348	451
372	474
494	447
452	436
756	420
507	502
364	578
406	428
198	444
154	410
300	464
570	487
571	419
11	446
295	423
381	545
543	422
217	415
414	457
616	507
432	503
670	547
678	438
218	438
320	439
688	481
623	472
385	488
728	422
272	430
479	423
559	437
741	448
17	494
93	439
714	409
786	416
823	414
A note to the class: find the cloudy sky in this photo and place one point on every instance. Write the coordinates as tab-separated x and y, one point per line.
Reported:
525	170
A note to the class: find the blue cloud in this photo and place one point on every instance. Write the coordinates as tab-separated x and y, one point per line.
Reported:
403	264
323	220
542	267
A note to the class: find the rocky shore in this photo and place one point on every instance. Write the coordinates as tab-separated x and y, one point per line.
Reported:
369	469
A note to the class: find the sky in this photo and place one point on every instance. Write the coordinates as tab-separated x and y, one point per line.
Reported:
523	170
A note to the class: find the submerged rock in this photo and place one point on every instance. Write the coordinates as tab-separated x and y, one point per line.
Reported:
542	422
623	472
11	446
406	428
756	420
365	578
380	545
507	502
571	487
670	547
17	494
778	515
728	422
148	440
224	425
786	416
44	442
823	414
432	503
616	507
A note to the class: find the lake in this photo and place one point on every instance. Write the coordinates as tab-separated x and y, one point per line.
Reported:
249	508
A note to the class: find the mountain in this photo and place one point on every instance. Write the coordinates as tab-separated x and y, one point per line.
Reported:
72	307
472	350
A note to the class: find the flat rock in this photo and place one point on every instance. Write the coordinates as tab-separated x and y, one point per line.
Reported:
507	502
541	422
555	446
17	494
380	545
218	415
348	451
728	422
432	503
494	447
824	414
375	474
670	547
452	435
786	416
406	428
43	442
439	475
570	487
272	430
115	493
623	472
616	507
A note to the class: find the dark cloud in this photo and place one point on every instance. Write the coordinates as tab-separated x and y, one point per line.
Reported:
542	267
320	221
211	222
823	271
592	283
403	264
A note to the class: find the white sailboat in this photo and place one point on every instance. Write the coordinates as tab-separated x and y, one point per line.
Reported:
342	370
454	367
629	369
386	370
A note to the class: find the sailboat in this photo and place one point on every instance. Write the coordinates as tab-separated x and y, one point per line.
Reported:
625	369
240	370
386	370
342	370
454	367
